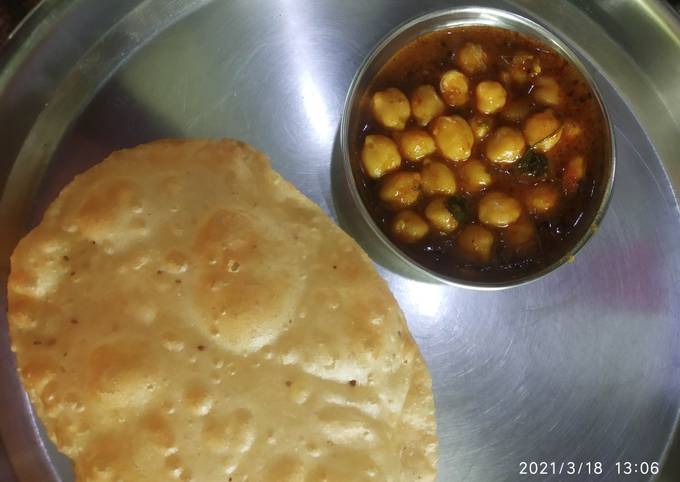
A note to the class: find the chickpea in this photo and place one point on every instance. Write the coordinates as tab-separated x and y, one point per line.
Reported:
491	96
546	91
481	126
535	68
440	217
516	110
453	137
574	172
472	59
498	209
454	87
476	242
437	178
505	145
541	199
517	75
379	156
572	130
521	236
416	144
474	175
391	108
523	66
426	104
521	59
543	130
401	189
409	227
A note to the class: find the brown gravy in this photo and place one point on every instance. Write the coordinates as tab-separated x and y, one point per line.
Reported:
423	62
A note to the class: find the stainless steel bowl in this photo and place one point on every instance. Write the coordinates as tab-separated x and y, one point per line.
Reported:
386	251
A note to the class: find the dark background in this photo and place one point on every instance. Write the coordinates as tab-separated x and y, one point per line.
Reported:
11	13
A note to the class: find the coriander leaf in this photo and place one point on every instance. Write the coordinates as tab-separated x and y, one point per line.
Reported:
458	207
532	163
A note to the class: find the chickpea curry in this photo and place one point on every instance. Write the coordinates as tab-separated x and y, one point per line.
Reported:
478	152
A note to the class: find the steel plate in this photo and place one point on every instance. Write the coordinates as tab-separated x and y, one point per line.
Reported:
582	366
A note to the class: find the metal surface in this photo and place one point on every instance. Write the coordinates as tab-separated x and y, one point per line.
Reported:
583	365
382	53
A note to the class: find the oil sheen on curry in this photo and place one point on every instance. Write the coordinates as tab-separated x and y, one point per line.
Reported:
480	151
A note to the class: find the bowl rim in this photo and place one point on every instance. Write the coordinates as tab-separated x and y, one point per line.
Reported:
463	17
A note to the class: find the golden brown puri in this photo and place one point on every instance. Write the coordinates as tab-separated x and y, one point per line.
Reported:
183	312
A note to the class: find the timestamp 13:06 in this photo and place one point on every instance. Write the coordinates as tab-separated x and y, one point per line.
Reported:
643	468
